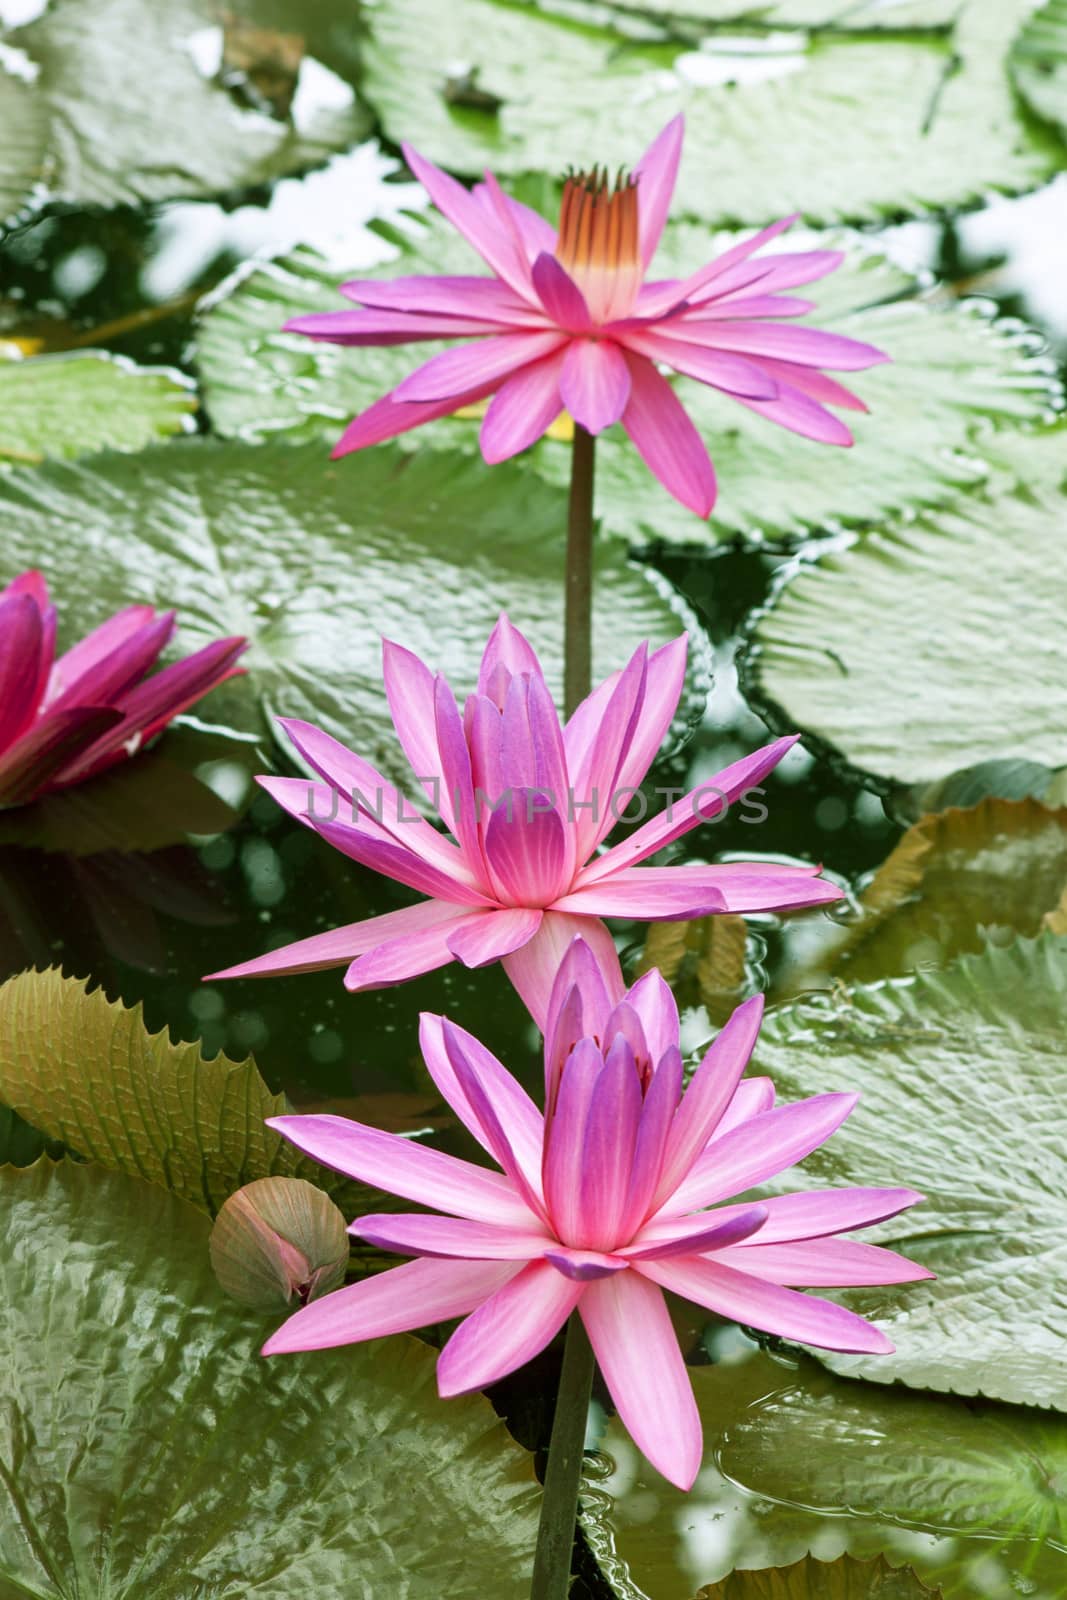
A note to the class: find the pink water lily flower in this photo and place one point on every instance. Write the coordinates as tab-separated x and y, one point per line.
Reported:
527	804
601	1205
567	320
65	720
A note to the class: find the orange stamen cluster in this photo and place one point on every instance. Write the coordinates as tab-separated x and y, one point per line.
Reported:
598	241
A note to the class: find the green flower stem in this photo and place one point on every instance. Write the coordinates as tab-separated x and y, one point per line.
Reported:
578	610
559	1507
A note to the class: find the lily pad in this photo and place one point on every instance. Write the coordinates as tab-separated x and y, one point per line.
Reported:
85	1071
955	882
314	562
1039	63
133	102
172	1462
858	15
963	1087
840	126
954	372
843	1579
936	646
70	405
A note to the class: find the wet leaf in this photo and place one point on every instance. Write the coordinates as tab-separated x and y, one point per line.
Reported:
954	371
85	1070
71	405
934	646
955	882
843	1579
836	125
315	562
173	1462
1039	63
963	1084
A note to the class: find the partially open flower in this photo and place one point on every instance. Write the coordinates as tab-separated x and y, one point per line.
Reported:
278	1240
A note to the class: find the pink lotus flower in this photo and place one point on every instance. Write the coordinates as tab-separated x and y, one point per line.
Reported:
601	1206
64	721
567	320
527	804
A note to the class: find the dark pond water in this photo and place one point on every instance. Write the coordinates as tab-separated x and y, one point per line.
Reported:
146	928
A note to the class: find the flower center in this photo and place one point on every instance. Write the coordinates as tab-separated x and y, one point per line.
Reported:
598	240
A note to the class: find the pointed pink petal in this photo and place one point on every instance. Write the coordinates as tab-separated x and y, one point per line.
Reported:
387	418
494	1129
597	742
697	1234
382	854
723	371
536	234
31	582
658	298
45	756
415	1295
484	299
341	945
564	1150
20	665
785	271
824	1264
507	650
751	1099
595	383
809	347
645	894
451	1236
410	691
561	297
666	439
760	1149
697	806
794	411
533	969
454	771
709	1093
81	658
607	1149
657	1114
816	1212
498	933
815	384
663	688
474	220
656	174
112	674
759	885
482	365
657	1010
578	1008
404	1167
523	408
369	328
637	1350
513	1109
767	1306
753	307
532	755
507	1330
408	956
583	1266
525	849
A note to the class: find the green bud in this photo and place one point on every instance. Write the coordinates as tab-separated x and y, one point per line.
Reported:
278	1240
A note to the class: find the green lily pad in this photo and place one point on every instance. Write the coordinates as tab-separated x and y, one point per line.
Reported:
314	561
858	15
797	1460
134	102
936	646
956	881
1039	63
25	124
843	1579
838	125
70	405
963	1086
954	372
172	1462
85	1071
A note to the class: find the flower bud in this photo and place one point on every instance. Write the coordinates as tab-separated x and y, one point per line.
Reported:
277	1240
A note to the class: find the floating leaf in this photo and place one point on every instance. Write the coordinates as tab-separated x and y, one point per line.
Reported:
833	124
953	371
1039	63
937	646
131	101
85	1071
955	881
963	1084
70	405
314	562
843	1579
172	1461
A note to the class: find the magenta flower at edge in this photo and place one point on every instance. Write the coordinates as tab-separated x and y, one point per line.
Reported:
568	321
601	1206
65	720
527	804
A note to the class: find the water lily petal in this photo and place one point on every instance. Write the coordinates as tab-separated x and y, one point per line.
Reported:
666	440
507	1330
